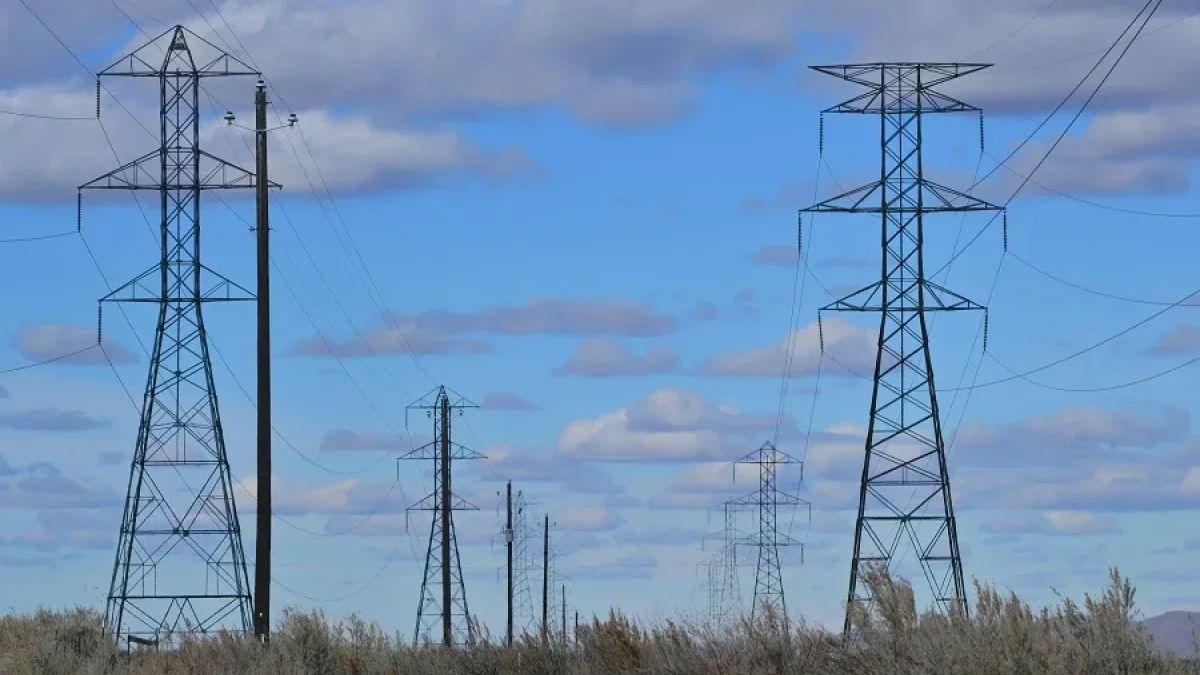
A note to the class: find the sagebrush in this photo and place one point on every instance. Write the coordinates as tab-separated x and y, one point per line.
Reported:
1003	636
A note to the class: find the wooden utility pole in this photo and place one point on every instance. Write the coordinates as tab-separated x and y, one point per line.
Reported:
262	537
546	580
508	535
447	589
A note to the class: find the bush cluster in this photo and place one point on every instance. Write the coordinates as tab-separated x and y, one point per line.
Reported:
1002	636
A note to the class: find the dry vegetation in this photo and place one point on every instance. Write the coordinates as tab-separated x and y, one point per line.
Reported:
1002	637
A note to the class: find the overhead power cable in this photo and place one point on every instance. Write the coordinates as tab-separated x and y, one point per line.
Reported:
1013	32
1057	108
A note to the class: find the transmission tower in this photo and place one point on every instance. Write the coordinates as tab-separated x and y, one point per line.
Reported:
768	579
903	401
180	489
524	531
443	567
724	588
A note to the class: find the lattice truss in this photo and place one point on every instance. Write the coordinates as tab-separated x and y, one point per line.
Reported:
526	613
905	487
442	610
180	565
767	539
721	569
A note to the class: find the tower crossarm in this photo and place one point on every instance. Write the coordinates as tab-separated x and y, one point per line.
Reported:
139	63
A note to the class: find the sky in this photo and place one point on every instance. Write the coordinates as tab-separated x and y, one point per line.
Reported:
582	217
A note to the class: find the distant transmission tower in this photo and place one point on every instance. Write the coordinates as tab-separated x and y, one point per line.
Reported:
180	489
724	588
768	579
443	567
525	612
903	401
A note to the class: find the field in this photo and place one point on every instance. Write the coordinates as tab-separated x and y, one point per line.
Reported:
1004	636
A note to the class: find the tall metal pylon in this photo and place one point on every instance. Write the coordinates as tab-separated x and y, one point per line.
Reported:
724	586
180	488
443	567
904	405
768	578
525	613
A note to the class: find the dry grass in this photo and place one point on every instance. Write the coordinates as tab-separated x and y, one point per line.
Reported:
1002	637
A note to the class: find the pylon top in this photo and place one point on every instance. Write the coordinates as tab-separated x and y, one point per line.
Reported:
178	59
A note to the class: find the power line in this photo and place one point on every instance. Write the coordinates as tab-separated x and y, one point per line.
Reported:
1090	291
54	359
1014	32
1098	51
1052	113
1095	204
39	116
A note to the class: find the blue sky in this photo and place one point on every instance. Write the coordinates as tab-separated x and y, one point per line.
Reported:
595	234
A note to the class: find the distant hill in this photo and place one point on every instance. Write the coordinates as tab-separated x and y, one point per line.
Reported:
1172	632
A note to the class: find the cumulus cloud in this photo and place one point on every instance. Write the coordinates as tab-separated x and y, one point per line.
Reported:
503	400
852	345
588	519
57	530
1183	339
546	466
440	331
607	358
777	254
1143	122
42	485
351	152
343	497
1075	433
613	63
53	341
1053	522
669	425
51	419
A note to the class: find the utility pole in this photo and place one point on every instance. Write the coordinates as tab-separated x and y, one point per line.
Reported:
508	536
546	579
442	562
905	459
564	613
262	230
170	569
768	578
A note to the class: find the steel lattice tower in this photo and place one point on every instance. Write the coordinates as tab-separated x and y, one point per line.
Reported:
180	488
768	579
443	567
903	401
523	564
724	588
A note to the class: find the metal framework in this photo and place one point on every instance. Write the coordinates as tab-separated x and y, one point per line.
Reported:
525	615
768	579
443	567
723	584
904	406
180	488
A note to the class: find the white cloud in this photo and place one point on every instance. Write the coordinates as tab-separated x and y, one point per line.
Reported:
852	345
48	159
47	341
588	519
606	358
668	425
